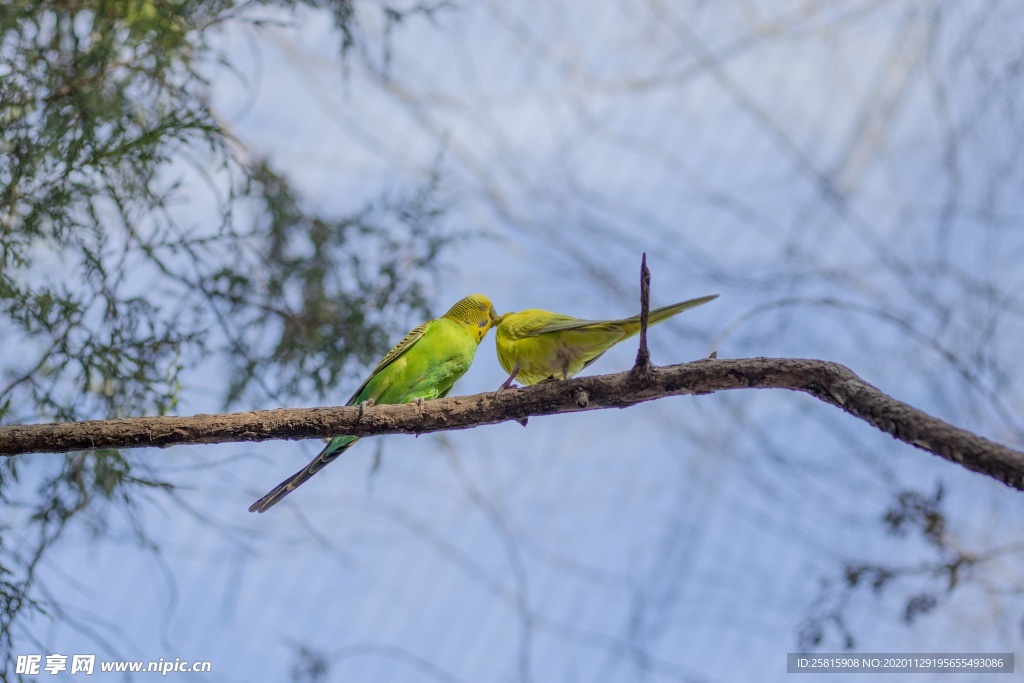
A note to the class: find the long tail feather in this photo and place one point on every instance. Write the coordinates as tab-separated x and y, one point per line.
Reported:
665	312
333	449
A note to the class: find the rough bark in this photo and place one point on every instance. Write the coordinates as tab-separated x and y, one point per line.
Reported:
830	382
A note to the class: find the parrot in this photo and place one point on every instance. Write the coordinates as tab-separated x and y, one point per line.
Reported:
423	365
534	345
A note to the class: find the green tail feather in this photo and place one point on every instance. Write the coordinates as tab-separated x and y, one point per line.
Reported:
666	312
336	447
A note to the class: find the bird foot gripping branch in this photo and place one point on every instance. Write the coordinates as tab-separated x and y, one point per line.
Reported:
363	405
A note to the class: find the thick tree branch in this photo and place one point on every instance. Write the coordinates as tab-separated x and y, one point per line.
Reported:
830	382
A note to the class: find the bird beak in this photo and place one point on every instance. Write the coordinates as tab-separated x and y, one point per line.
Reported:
496	319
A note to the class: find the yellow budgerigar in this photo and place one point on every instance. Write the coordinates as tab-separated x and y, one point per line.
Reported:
535	345
424	365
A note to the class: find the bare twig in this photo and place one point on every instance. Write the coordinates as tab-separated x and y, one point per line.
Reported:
643	354
829	382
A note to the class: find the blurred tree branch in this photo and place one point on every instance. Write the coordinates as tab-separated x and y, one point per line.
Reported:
829	382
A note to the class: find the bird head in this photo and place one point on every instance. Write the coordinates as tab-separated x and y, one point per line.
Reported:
475	312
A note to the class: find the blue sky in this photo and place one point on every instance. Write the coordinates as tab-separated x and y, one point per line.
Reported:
842	173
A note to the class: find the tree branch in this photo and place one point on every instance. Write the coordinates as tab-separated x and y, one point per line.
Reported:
830	382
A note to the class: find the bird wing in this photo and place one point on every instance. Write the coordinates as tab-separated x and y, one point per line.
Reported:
570	324
538	322
400	349
534	323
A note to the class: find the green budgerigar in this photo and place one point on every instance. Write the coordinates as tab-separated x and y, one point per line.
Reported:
535	345
424	365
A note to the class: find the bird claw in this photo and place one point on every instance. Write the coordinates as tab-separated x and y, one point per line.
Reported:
368	403
504	387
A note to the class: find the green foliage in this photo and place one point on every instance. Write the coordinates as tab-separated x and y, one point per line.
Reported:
929	584
99	102
96	100
328	287
113	281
